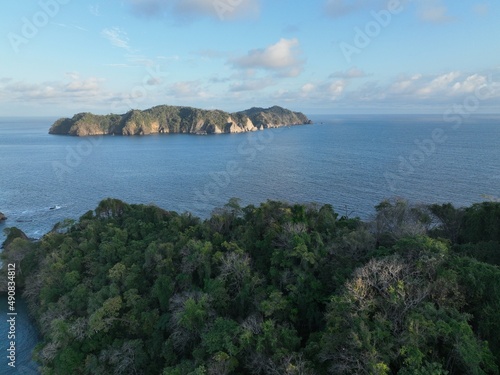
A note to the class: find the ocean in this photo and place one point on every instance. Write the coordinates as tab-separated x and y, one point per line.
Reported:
351	162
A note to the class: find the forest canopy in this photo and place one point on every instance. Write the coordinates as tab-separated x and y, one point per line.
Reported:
272	289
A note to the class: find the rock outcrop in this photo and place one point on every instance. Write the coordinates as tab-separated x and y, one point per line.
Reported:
173	119
2	217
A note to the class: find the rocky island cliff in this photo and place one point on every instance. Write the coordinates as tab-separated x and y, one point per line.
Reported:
175	119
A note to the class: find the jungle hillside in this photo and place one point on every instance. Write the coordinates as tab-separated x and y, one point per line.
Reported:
277	288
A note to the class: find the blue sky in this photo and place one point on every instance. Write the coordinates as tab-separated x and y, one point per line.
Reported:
60	57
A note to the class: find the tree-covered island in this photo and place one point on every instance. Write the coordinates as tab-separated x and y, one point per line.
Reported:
173	119
274	289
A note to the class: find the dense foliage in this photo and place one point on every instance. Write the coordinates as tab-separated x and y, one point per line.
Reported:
176	119
274	289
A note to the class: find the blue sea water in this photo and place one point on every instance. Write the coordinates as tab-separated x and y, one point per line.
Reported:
351	162
25	338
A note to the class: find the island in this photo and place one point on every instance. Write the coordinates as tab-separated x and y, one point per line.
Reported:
176	119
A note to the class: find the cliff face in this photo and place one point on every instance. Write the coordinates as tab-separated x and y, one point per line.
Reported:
172	119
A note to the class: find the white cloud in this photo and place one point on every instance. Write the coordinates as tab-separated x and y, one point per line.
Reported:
218	9
76	94
221	9
451	87
340	8
77	87
413	92
434	14
73	75
441	83
336	88
283	58
481	9
315	92
116	37
434	11
417	92
149	7
404	85
470	84
429	11
81	86
154	81
307	88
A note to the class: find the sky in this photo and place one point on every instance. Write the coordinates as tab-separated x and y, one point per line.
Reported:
61	57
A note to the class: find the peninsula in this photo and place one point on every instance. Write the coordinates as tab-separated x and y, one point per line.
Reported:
175	119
